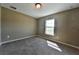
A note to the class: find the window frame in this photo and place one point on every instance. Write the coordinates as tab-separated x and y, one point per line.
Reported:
53	27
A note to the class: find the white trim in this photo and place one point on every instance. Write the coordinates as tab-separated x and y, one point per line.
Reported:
42	37
16	39
61	42
68	44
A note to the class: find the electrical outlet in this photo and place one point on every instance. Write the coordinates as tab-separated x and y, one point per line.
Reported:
8	36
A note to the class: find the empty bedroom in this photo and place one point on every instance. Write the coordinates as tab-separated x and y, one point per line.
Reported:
39	28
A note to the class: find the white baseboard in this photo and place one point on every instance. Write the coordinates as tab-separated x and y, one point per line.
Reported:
42	37
61	42
68	44
16	39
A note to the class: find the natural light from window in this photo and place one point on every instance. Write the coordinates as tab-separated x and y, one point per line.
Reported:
53	45
49	27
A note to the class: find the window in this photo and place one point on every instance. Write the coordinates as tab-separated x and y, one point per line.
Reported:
49	27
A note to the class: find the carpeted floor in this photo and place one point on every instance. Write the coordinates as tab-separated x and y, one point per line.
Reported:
35	46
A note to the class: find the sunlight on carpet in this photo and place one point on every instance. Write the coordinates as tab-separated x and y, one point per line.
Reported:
53	45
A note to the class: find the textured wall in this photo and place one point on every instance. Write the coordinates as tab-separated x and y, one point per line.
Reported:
67	26
15	25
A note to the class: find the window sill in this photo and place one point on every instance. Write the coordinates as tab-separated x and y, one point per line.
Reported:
50	35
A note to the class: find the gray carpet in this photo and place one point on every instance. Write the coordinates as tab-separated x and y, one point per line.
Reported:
35	46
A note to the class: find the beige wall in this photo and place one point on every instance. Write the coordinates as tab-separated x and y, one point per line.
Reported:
67	26
16	25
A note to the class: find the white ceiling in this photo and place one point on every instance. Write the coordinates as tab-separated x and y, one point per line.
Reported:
47	8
